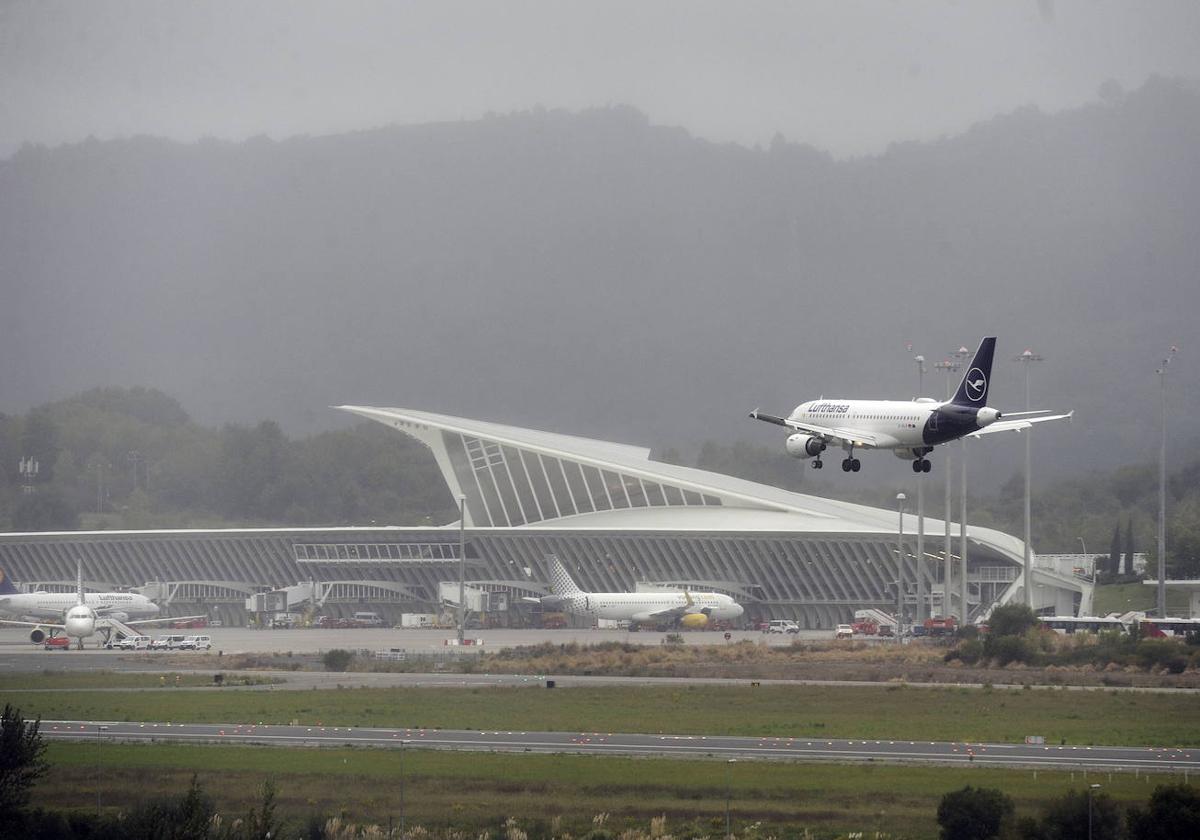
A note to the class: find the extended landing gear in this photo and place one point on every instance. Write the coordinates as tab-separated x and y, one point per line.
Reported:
818	464
922	465
851	465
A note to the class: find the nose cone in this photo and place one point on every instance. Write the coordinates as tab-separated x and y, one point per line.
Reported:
738	609
153	608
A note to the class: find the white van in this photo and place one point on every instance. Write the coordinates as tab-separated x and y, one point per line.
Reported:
196	643
368	619
783	625
168	642
134	643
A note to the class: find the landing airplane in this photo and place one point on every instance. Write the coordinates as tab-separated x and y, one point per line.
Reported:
688	609
79	615
910	429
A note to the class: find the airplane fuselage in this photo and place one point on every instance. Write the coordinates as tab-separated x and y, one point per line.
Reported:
52	605
642	606
895	424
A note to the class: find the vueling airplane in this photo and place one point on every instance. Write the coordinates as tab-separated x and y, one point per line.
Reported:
910	429
687	609
78	615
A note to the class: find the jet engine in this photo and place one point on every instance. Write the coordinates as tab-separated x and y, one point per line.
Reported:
694	621
37	635
804	446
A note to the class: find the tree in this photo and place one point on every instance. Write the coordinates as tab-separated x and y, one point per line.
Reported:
1129	548
45	510
1011	620
337	659
1173	812
974	813
1114	551
22	763
1066	818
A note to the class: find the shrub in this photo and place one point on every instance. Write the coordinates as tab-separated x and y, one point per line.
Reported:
337	659
1006	649
974	813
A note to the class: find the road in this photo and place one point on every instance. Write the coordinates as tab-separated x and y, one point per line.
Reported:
235	640
1048	757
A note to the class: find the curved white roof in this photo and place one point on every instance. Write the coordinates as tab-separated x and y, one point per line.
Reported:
742	505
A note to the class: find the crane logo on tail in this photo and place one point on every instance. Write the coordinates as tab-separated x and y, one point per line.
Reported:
976	384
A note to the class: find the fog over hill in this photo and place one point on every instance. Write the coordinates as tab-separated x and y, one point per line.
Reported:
597	274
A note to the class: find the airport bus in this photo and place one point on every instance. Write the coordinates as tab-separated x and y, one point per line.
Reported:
1068	624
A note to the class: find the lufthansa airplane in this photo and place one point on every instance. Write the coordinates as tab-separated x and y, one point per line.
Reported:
693	610
79	615
910	429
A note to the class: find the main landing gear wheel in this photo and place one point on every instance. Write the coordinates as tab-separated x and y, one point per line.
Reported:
922	465
817	464
851	465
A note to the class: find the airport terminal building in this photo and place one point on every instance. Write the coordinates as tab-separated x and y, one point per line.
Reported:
617	519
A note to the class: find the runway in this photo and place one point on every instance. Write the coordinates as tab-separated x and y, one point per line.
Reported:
1047	757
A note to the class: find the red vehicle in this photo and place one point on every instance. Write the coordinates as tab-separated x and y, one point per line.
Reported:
865	628
57	643
941	626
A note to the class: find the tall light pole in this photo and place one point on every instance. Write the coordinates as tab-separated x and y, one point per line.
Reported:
728	792
401	788
949	366
920	362
1026	359
900	497
99	734
964	604
462	566
1091	792
919	560
1162	487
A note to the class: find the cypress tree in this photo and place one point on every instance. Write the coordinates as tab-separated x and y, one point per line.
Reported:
1129	547
1114	551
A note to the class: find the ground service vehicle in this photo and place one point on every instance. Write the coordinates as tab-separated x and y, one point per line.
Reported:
843	631
782	625
134	643
368	619
57	643
865	628
196	643
940	626
167	642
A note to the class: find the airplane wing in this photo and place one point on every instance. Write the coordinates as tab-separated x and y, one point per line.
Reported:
12	623
830	434
1019	424
148	621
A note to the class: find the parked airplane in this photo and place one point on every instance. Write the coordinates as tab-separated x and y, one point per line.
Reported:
687	609
910	429
78	615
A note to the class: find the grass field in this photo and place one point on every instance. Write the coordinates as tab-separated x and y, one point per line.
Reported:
47	680
478	791
884	712
1125	597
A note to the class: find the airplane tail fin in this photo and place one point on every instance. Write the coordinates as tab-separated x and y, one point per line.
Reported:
6	585
973	390
561	582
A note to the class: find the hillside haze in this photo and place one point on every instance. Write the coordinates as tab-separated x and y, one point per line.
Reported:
596	274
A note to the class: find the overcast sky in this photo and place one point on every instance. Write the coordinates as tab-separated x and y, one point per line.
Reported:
849	77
